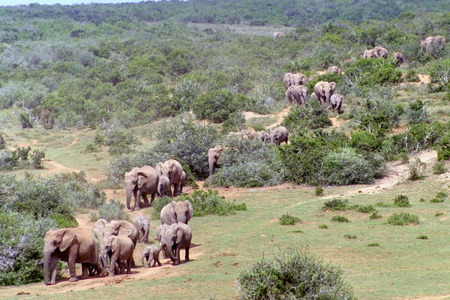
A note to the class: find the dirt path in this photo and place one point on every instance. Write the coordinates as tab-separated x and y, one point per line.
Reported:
279	116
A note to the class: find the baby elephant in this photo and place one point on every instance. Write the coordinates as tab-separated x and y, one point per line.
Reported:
151	252
119	248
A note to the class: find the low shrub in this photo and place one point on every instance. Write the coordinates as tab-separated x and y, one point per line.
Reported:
412	76
439	198
416	170
403	219
311	116
318	191
287	219
375	215
339	219
293	274
401	201
112	210
323	226
373	245
382	204
422	237
439	213
336	204
350	237
2	142
439	168
21	247
364	208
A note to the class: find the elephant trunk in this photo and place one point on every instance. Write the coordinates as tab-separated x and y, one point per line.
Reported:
145	239
47	267
129	193
143	261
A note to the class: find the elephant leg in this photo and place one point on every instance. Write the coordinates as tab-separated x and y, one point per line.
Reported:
152	199
53	269
137	202
84	271
186	256
122	266
129	264
146	203
175	190
112	266
71	266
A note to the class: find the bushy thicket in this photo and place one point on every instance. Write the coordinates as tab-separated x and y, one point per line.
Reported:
28	208
248	163
18	159
311	116
112	210
293	274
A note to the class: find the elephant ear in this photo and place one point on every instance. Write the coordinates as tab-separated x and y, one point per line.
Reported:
333	85
67	240
173	212
191	209
126	230
115	243
141	181
179	234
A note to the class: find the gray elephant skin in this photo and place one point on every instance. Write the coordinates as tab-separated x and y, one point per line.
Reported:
290	79
149	254
173	212
324	90
336	101
397	58
377	52
142	224
118	248
173	170
164	186
176	237
334	70
141	182
279	135
296	94
214	155
72	245
432	42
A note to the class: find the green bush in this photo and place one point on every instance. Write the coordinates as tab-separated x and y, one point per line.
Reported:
323	226
365	141
210	203
439	168
403	219
293	274
346	167
311	116
439	198
287	219
159	203
373	71
350	237
318	191
217	106
364	209
339	219
401	201
248	163
21	247
112	210
422	237
336	204
412	76
373	245
416	170
36	159
443	151
2	142
375	215
417	113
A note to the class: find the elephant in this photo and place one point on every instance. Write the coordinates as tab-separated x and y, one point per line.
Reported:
121	227
173	212
294	79
336	101
432	42
278	34
297	94
334	69
263	136
164	186
279	135
178	236
142	224
313	96
214	158
377	52
173	170
141	182
397	58
149	254
72	245
118	248
324	90
182	181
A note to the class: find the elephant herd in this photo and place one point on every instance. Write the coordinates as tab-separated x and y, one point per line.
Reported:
297	91
146	180
113	243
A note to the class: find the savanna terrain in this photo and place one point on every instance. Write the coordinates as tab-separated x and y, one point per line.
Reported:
89	92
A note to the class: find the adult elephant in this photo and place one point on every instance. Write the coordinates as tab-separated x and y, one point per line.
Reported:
214	159
178	236
180	211
381	52
336	101
334	70
296	94
118	248
173	170
141	182
294	79
263	136
142	224
432	42
279	135
323	91
397	58
121	227
72	245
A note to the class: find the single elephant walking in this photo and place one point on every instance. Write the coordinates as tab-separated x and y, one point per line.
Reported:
214	159
336	101
173	212
118	248
279	135
324	90
149	254
142	224
397	58
141	182
178	236
72	245
296	94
